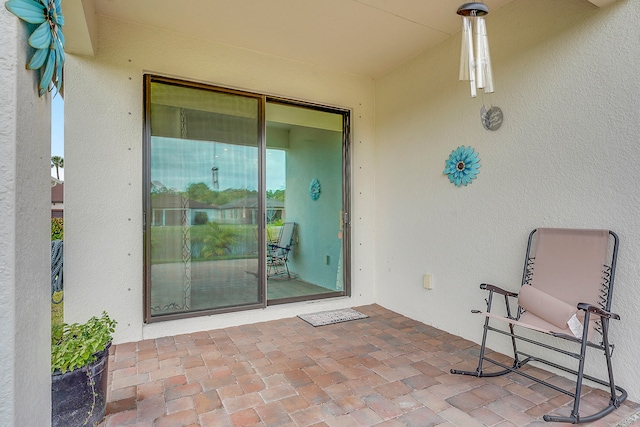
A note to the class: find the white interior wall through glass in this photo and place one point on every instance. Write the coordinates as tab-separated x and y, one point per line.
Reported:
305	147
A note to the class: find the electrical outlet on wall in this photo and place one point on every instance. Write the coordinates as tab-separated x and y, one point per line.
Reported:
427	281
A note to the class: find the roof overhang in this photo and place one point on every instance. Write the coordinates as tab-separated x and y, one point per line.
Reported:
361	37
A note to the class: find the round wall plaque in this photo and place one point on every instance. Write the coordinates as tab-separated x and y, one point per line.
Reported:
491	118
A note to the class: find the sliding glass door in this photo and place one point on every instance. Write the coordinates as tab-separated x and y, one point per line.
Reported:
305	164
246	200
204	205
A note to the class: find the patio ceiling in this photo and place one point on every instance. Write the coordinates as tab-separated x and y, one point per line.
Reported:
362	37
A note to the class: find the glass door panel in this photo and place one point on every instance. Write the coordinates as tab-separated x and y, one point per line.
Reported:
203	203
305	167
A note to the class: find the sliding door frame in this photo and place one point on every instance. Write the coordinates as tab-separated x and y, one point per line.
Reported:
346	198
262	237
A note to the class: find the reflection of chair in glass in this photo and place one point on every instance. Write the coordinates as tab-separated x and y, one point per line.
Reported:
278	253
567	286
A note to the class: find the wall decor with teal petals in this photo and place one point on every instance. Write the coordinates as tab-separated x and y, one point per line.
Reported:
462	166
314	189
46	39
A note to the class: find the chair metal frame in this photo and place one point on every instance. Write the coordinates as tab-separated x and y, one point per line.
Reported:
601	310
278	253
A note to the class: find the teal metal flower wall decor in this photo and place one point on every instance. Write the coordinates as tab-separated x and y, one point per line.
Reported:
46	39
462	165
314	189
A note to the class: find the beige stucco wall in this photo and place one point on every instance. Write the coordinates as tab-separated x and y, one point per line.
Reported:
566	76
25	191
103	159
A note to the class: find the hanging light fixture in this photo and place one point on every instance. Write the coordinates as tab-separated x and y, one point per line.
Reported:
475	62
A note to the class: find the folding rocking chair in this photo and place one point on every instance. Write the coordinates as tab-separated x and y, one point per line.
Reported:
278	253
567	287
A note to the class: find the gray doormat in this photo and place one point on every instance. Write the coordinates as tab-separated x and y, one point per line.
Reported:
333	316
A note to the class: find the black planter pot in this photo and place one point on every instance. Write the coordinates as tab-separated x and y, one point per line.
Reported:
74	401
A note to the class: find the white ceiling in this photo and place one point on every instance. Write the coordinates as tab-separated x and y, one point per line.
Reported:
362	37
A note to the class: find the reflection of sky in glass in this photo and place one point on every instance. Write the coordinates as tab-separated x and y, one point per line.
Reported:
276	169
176	163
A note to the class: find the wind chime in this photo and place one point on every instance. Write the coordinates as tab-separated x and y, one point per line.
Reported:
214	178
475	62
215	184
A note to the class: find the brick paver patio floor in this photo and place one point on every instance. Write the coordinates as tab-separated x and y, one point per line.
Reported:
386	370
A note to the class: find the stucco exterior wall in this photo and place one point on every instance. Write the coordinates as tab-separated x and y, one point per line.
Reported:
566	77
103	158
25	361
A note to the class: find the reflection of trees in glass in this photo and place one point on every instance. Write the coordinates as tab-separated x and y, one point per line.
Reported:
217	240
276	195
158	188
274	215
200	192
209	241
234	234
200	218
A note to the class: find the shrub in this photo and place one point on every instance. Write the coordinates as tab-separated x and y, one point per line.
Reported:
57	229
75	345
201	218
217	240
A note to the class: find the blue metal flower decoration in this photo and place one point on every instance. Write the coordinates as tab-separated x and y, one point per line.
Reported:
462	165
314	189
46	39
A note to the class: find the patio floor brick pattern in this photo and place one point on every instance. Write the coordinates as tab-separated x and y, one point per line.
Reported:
386	370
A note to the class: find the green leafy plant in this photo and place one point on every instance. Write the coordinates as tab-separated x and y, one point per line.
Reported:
75	345
57	229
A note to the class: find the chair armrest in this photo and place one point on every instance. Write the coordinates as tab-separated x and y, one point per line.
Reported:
276	246
493	288
597	310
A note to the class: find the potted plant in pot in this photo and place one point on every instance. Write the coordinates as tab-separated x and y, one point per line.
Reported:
79	368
